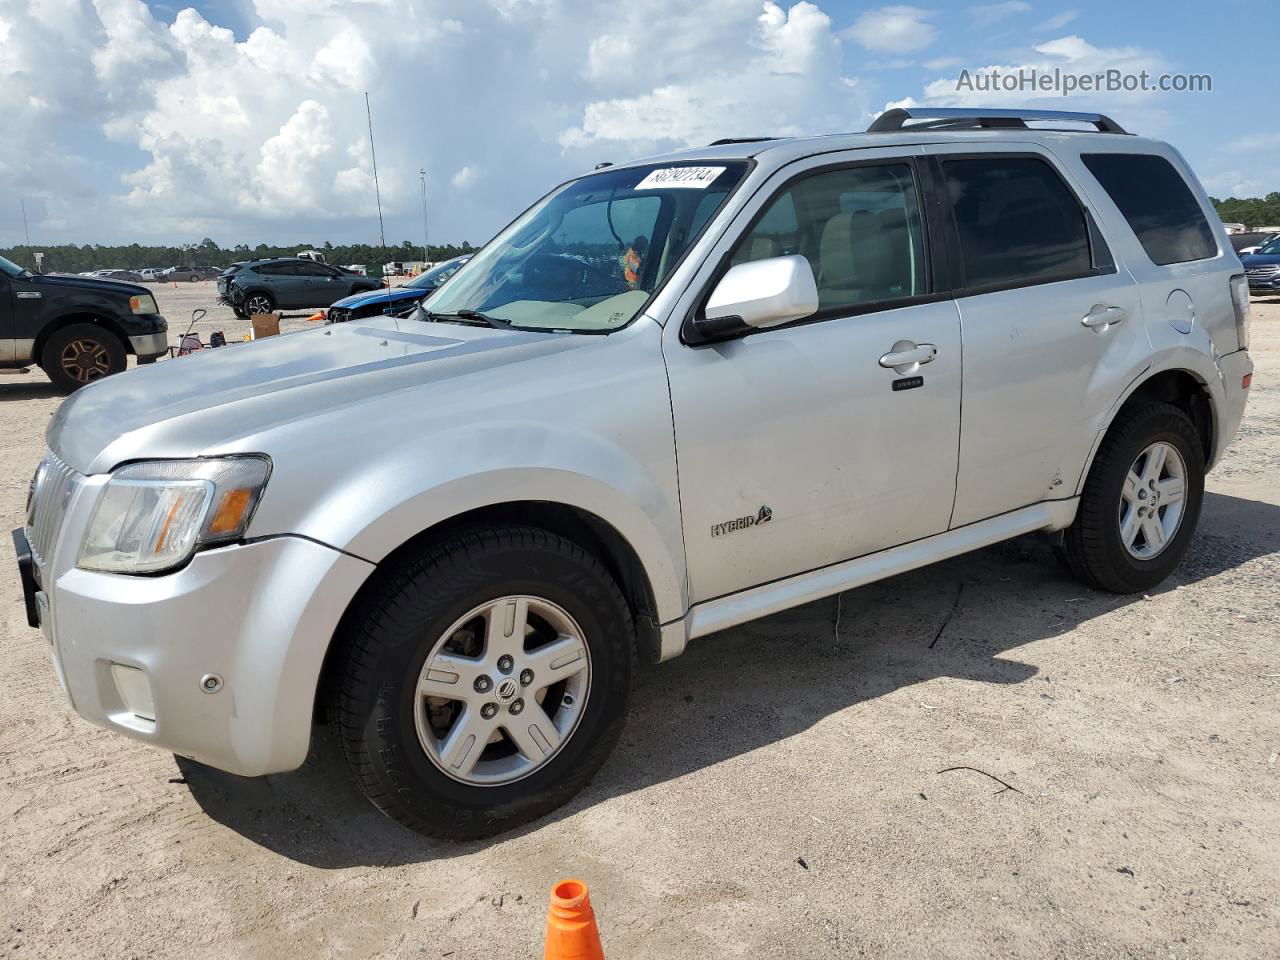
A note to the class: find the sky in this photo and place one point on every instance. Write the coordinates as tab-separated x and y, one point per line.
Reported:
244	120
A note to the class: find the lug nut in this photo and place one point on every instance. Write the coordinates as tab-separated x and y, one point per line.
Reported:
516	706
483	684
505	663
567	700
488	710
526	677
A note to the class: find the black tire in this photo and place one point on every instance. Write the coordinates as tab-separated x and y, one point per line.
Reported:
80	353
387	637
1092	547
265	304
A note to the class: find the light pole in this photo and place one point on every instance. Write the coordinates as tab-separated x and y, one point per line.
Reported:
426	247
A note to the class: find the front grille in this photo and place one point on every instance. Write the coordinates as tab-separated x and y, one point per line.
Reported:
54	481
1268	270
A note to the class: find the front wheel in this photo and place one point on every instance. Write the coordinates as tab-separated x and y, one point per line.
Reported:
1141	501
484	681
81	353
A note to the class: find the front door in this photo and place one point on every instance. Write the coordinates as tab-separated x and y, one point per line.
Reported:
8	346
826	439
1053	329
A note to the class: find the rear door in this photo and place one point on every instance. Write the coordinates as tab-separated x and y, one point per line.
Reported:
801	446
1053	329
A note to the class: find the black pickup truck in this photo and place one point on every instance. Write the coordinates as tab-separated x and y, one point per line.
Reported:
77	329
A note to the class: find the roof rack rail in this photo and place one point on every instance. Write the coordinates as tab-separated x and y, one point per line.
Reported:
951	118
726	140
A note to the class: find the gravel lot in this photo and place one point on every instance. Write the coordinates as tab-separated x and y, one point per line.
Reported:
777	791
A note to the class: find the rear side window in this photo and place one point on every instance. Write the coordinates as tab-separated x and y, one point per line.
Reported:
1157	203
1018	222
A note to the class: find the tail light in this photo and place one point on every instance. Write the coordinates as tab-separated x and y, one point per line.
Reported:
1240	300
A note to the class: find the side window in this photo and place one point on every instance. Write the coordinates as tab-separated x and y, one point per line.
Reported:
1157	203
1017	221
859	228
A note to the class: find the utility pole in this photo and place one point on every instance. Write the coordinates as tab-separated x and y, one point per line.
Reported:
426	244
25	231
377	191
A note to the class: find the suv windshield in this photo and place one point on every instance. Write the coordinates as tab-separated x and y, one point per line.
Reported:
1271	247
587	257
10	268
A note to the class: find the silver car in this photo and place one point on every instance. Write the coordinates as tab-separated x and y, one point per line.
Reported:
674	395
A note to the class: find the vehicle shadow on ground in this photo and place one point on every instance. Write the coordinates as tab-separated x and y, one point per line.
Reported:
759	684
24	389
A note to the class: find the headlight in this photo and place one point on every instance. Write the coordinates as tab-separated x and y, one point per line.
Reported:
143	304
153	516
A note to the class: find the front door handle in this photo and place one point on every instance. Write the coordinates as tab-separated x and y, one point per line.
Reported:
907	356
1101	317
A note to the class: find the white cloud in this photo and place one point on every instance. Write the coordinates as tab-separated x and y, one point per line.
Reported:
896	29
991	12
782	77
942	63
1057	21
1255	143
463	178
1234	183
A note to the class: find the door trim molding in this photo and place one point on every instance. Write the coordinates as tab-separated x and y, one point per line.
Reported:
720	614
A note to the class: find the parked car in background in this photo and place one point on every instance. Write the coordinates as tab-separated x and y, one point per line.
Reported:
1262	267
190	274
1255	247
286	283
395	301
151	274
357	268
77	329
127	276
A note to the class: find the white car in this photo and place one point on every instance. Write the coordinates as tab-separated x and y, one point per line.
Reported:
672	396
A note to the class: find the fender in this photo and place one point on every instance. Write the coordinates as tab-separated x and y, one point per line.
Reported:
1197	360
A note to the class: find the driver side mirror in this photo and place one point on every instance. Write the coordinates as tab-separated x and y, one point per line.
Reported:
761	294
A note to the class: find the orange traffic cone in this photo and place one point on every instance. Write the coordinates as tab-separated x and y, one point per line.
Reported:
317	317
571	924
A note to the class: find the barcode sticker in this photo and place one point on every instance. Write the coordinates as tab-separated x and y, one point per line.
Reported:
693	178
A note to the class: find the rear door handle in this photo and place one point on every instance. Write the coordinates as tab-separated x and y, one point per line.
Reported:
906	356
1102	317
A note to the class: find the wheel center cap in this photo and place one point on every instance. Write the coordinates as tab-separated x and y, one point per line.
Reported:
506	691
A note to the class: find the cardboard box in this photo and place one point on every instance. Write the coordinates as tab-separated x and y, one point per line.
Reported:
265	325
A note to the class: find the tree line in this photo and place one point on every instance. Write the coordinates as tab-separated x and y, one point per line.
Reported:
73	258
1254	212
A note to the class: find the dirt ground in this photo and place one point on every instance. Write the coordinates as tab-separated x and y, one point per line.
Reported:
780	791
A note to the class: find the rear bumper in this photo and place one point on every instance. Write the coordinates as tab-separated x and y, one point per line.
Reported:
137	654
1234	367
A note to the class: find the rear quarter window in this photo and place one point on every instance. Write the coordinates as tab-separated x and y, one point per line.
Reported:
1157	203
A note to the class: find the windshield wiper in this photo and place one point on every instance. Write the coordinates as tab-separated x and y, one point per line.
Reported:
470	316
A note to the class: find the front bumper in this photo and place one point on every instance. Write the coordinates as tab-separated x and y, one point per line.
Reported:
150	344
135	654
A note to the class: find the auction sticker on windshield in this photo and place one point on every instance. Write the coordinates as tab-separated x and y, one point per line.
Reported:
697	178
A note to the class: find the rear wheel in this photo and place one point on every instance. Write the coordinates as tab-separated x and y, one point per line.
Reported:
484	681
80	353
1141	501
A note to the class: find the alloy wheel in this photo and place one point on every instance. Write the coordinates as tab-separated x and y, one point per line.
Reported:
257	305
1152	500
502	690
85	360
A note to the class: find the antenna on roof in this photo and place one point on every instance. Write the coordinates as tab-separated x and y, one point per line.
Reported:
377	191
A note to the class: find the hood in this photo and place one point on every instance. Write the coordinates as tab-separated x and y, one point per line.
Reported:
95	284
209	401
1259	259
368	297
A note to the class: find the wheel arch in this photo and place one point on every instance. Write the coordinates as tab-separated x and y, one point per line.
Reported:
582	527
107	323
1188	386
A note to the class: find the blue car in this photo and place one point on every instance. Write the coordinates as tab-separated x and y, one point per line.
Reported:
395	301
1263	268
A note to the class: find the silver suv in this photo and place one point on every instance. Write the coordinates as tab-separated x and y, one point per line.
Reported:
674	395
